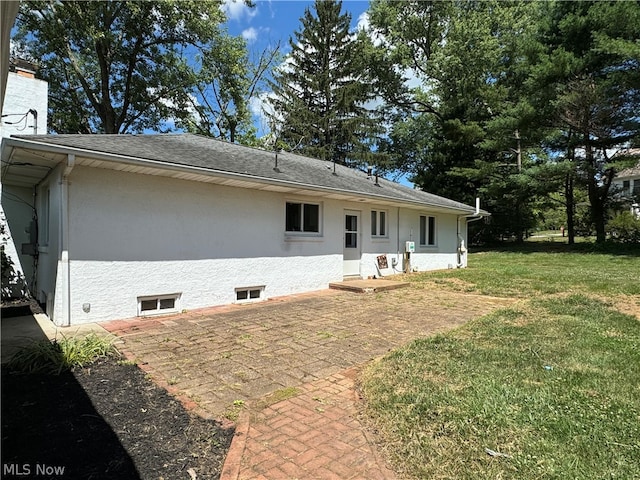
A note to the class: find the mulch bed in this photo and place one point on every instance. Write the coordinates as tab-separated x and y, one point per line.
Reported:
105	421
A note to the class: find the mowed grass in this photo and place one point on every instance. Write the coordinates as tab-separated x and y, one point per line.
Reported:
535	270
549	388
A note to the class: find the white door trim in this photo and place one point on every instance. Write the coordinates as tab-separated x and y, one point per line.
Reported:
352	242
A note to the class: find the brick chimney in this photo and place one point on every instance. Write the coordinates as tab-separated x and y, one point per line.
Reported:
22	67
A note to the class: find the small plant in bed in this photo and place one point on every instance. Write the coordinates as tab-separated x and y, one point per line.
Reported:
59	355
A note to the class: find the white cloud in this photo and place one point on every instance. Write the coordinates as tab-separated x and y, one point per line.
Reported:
363	21
250	35
238	10
259	107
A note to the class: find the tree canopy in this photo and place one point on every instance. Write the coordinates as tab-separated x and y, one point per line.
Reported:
228	81
520	103
505	93
120	66
588	69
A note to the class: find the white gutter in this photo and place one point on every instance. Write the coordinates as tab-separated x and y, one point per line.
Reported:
477	214
143	162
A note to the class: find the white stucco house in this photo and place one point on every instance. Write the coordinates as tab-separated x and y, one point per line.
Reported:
148	224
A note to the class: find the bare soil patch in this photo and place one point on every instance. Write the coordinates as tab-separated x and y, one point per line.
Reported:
629	304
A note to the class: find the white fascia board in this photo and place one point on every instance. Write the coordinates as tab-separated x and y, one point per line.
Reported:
168	166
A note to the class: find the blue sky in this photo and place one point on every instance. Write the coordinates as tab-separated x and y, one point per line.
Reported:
273	20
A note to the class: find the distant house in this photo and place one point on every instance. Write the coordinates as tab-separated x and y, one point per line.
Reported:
627	182
138	225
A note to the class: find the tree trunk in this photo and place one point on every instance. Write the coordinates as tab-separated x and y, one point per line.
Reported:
570	208
596	200
520	234
599	196
105	110
597	212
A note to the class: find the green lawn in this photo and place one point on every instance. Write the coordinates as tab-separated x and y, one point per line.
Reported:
553	383
536	270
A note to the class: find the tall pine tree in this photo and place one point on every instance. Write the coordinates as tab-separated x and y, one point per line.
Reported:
322	89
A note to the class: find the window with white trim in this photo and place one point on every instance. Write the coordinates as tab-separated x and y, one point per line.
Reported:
302	217
379	223
159	304
249	294
427	231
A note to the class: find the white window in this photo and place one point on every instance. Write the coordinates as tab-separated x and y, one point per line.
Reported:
379	223
427	230
159	304
302	217
249	294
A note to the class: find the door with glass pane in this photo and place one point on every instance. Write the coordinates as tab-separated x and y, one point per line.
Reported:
351	245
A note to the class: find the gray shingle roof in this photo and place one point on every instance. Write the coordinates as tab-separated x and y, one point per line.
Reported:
631	171
218	156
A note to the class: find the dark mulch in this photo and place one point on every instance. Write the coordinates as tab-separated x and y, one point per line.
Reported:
106	421
19	307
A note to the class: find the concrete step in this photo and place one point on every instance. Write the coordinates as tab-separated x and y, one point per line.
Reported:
368	285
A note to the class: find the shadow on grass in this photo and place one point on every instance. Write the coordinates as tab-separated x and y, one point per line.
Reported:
50	429
607	248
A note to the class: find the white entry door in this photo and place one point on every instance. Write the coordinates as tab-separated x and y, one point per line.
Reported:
351	250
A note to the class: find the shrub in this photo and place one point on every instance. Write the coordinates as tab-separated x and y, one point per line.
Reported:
59	355
625	228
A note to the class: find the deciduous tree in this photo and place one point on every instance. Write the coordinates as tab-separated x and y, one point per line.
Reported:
228	82
466	128
119	66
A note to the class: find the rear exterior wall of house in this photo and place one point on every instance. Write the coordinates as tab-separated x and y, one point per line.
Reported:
144	244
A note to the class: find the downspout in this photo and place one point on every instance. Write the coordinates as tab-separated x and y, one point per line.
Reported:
64	234
469	218
397	260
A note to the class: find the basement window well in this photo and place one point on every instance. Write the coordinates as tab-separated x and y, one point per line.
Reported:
158	305
249	294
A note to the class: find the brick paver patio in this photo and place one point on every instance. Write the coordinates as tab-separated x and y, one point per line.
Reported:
221	358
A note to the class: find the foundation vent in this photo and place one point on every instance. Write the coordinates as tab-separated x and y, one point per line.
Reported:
249	294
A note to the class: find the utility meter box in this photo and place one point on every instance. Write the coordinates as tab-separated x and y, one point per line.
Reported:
410	247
